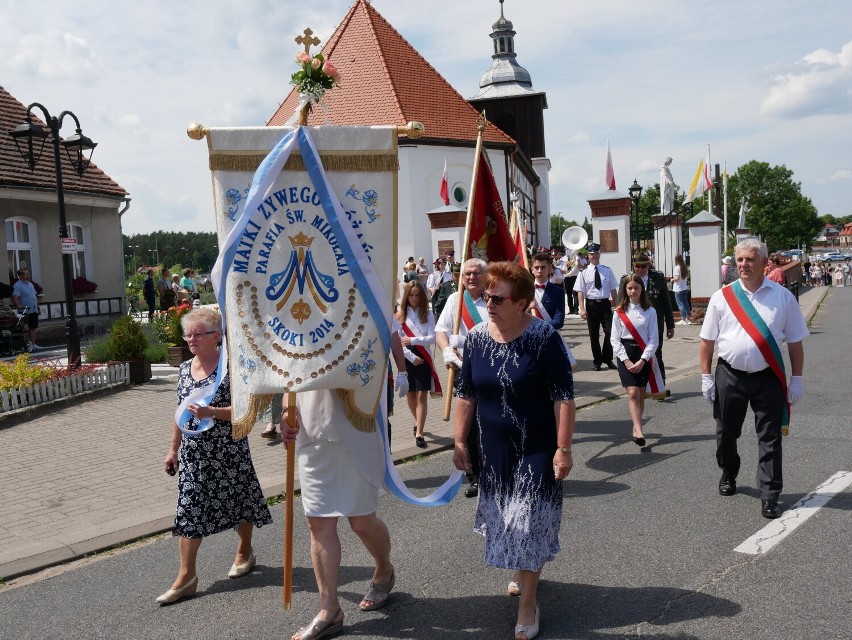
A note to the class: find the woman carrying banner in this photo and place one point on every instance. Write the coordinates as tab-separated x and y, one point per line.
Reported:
340	473
417	335
517	390
634	340
217	484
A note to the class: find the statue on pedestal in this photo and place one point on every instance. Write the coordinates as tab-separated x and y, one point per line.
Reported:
667	188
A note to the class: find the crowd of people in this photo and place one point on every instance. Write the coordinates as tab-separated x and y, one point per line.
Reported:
496	327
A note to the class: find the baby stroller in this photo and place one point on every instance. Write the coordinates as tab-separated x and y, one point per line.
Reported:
13	334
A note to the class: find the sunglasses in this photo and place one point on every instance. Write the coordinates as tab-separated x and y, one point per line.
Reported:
498	300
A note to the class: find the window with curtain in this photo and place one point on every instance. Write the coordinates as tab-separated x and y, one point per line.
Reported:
19	246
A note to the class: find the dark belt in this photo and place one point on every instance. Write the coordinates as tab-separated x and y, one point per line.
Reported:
626	341
597	300
741	372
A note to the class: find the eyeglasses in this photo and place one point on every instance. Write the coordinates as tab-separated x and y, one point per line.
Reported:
196	336
498	300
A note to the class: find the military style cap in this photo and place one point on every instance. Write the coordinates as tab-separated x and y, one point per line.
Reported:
641	257
456	268
593	247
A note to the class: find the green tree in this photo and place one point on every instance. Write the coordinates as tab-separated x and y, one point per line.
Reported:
777	209
558	224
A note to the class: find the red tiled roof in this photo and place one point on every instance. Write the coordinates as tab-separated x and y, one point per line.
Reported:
385	81
15	172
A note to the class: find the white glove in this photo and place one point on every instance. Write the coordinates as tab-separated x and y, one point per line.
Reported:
457	341
451	358
708	387
795	389
401	384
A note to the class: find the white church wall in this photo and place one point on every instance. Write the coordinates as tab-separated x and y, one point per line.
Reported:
420	170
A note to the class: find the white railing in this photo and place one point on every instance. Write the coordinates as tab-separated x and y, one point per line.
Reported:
41	392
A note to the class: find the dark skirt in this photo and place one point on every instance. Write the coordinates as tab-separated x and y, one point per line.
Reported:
419	377
633	379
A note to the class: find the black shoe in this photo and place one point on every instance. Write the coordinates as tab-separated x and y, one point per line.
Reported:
639	441
472	491
727	486
420	442
597	367
611	365
770	509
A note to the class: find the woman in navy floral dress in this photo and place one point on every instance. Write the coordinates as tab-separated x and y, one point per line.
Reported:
217	485
516	387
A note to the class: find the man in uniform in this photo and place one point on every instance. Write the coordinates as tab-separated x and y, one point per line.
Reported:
452	345
445	290
596	290
748	321
658	294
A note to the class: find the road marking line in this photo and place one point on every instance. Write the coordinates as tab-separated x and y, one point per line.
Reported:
777	530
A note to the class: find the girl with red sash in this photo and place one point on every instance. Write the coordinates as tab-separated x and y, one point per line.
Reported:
417	336
634	340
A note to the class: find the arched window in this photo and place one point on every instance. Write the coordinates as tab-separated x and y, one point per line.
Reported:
502	45
22	246
79	260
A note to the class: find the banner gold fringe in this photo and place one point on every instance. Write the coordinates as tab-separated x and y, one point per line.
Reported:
257	404
364	422
330	161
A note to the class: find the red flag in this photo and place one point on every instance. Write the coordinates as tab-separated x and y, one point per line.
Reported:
489	233
445	191
610	173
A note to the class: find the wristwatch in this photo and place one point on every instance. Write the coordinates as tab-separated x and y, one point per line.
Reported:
564	449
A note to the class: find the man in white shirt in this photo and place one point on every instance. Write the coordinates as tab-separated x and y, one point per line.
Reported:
451	344
596	287
745	376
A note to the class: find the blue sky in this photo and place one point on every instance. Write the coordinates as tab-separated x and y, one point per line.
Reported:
765	80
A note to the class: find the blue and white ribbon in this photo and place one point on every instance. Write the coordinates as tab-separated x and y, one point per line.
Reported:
363	272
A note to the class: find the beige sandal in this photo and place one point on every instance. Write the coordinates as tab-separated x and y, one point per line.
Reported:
378	594
321	628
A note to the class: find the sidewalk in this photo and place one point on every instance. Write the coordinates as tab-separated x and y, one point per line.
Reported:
88	475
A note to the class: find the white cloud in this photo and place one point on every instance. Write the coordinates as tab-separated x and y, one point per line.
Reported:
578	138
842	175
820	83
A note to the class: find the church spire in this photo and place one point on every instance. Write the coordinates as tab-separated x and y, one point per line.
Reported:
505	77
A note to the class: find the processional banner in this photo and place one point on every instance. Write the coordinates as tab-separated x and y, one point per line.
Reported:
306	222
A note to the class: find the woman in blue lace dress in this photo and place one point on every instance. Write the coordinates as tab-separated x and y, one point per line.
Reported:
517	389
217	485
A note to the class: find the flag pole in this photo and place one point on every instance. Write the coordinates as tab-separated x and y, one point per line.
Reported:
725	208
481	122
288	506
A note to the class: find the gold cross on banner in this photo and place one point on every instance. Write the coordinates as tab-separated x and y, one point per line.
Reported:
307	40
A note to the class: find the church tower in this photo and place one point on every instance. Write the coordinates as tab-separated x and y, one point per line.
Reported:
507	95
510	102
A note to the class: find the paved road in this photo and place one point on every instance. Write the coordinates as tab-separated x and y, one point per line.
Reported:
648	546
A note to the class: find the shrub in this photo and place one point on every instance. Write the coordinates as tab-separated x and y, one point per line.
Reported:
97	350
21	373
126	340
166	325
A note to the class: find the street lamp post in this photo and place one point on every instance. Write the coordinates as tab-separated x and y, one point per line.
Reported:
26	137
635	193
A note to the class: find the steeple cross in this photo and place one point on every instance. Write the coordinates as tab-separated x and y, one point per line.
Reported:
307	40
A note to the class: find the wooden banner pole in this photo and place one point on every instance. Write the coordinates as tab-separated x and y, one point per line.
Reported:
288	506
451	376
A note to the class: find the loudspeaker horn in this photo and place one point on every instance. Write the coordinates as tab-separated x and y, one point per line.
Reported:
575	238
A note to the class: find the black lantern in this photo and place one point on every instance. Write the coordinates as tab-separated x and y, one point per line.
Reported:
29	138
635	190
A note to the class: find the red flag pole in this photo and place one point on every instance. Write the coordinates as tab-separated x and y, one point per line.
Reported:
481	122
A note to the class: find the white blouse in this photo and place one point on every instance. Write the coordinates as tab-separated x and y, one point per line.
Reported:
424	332
645	321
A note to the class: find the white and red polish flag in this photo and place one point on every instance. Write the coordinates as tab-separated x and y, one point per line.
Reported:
610	173
445	189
